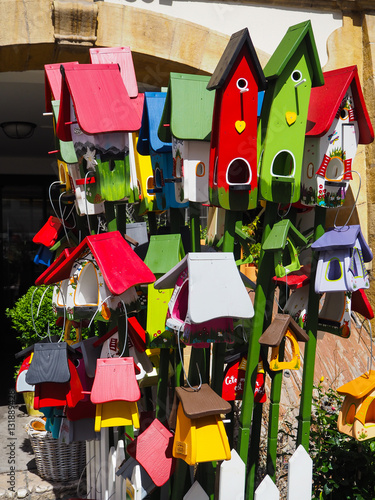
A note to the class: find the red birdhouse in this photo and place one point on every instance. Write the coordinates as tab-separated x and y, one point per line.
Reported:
233	157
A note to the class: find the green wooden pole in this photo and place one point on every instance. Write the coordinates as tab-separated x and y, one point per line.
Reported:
262	305
162	388
304	419
110	215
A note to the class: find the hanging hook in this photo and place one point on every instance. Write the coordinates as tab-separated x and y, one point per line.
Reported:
195	389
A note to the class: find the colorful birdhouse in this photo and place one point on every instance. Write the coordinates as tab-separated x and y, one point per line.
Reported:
164	252
292	70
200	433
283	327
101	272
337	122
238	77
187	122
152	449
343	252
208	294
100	138
122	57
357	414
145	178
234	380
335	314
283	241
160	152
115	392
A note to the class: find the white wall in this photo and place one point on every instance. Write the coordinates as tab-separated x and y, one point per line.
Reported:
266	25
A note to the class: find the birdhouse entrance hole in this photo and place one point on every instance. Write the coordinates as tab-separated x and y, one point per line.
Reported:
283	164
180	307
334	270
349	417
238	172
158	178
335	169
62	295
87	287
150	183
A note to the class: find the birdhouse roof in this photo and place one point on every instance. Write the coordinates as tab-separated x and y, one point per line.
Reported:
215	286
188	108
100	99
286	49
148	134
229	57
197	404
52	83
274	334
326	100
123	57
343	237
164	252
360	386
120	265
277	238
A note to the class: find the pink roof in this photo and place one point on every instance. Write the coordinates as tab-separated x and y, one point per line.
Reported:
52	83
325	101
120	265
100	99
123	57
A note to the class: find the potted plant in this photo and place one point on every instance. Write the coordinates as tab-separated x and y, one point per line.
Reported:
251	251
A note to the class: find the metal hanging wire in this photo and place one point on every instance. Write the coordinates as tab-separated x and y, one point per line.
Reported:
126	320
195	389
341	228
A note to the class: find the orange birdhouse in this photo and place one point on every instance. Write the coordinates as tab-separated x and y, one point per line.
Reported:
200	434
357	415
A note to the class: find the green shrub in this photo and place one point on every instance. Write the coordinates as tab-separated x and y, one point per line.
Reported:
343	467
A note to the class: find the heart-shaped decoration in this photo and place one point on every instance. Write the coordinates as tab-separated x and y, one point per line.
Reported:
291	117
240	126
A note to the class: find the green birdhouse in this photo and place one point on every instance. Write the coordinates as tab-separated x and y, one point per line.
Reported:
284	240
164	252
292	70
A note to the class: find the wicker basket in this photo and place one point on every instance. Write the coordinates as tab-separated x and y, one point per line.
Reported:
56	461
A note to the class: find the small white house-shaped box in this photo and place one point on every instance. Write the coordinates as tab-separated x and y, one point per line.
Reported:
187	123
208	294
342	254
337	122
98	275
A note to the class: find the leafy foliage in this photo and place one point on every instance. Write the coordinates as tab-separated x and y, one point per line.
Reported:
35	306
344	469
26	309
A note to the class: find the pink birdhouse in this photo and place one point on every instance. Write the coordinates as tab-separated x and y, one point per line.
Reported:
233	157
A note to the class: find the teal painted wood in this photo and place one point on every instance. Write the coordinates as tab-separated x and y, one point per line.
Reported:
188	108
304	421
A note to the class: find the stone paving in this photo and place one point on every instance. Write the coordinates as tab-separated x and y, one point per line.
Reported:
18	473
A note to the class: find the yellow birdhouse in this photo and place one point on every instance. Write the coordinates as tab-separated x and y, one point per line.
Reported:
357	415
200	435
116	413
284	327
